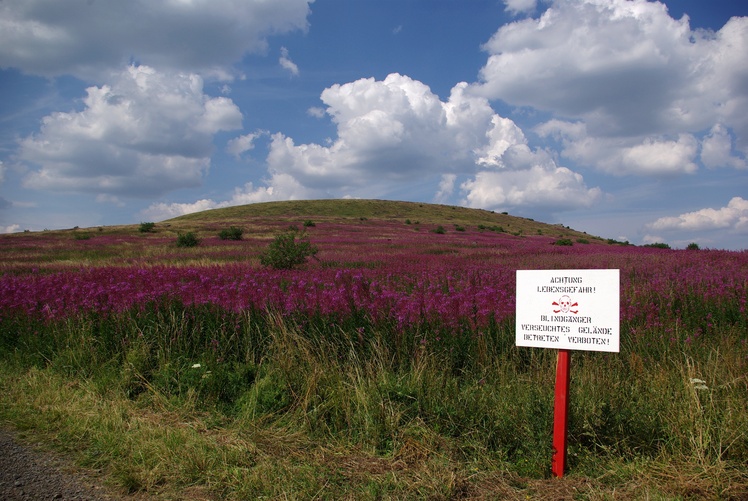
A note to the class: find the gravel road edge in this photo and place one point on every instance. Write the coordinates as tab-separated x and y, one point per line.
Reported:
28	472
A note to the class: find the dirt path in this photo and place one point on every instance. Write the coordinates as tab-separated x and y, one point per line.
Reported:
28	473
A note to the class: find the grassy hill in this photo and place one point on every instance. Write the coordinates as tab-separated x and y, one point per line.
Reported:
374	220
264	218
297	211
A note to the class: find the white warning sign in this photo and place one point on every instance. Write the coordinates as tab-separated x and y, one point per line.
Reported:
568	309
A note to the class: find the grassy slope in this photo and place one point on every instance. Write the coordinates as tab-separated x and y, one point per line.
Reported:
342	210
125	244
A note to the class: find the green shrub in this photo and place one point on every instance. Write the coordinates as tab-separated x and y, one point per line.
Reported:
497	229
612	241
459	228
439	230
693	246
658	245
582	241
147	227
232	233
288	250
563	241
188	239
309	223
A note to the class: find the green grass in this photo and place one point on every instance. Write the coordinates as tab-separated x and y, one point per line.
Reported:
362	210
172	403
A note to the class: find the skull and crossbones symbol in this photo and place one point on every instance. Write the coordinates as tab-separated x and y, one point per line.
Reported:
565	305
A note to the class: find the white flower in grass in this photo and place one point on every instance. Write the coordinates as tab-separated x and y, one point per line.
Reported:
196	366
698	384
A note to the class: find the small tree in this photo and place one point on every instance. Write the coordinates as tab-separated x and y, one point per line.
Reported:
288	250
188	239
147	227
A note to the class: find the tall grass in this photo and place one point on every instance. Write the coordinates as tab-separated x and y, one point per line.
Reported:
473	403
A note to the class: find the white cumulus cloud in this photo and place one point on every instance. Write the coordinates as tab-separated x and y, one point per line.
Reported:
734	216
535	181
716	150
519	6
396	132
396	136
650	155
88	39
634	87
243	143
446	188
280	187
390	130
162	211
145	134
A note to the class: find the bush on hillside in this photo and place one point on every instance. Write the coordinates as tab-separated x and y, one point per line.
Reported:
188	239
232	233
658	245
288	250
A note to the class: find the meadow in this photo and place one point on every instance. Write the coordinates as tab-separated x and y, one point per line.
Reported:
383	368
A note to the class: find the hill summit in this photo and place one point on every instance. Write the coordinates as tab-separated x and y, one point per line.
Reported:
340	210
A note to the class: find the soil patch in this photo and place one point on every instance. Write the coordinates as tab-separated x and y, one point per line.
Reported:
30	473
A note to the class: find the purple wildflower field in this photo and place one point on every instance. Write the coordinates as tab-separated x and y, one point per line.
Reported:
388	271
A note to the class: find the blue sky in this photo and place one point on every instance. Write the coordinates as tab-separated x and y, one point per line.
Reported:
626	119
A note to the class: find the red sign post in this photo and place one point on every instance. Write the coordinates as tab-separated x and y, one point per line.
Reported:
560	411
